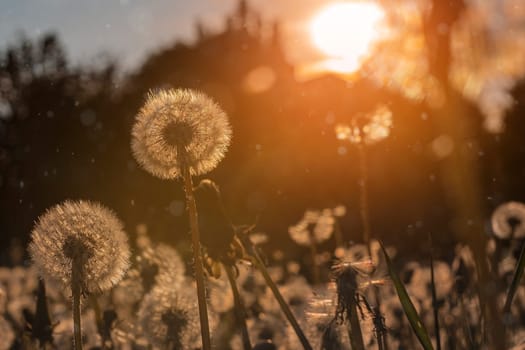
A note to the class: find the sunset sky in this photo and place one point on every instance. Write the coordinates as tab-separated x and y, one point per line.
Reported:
128	29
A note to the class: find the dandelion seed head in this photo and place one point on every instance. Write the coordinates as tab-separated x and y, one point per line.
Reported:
508	220
128	291
315	227
339	211
296	292
379	125
169	267
267	328
178	120
170	316
349	133
420	284
342	131
84	232
369	128
311	216
300	234
506	266
324	227
221	295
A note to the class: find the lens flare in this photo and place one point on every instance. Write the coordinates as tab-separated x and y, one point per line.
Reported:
345	32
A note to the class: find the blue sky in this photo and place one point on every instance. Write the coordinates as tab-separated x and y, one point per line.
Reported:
130	29
126	29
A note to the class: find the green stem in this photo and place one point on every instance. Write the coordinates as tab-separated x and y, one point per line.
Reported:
75	289
199	270
240	313
284	307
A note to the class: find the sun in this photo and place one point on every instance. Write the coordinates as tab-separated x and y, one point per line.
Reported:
345	31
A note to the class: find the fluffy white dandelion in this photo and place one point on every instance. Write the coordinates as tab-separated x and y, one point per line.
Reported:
508	220
167	263
420	283
81	244
315	227
169	319
83	232
177	134
177	126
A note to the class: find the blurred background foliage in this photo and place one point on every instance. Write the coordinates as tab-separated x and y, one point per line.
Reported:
65	133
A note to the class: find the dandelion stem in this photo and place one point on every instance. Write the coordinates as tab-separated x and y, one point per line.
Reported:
518	273
42	330
354	329
380	340
363	196
199	271
256	259
240	312
364	210
75	289
466	324
313	252
338	234
99	321
435	306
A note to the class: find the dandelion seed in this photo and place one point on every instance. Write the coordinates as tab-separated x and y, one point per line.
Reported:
508	220
85	232
172	121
